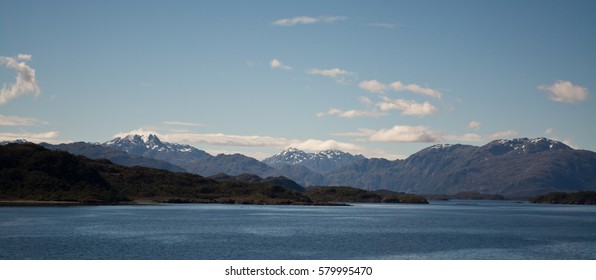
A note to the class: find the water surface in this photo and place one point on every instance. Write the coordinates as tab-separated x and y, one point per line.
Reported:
441	230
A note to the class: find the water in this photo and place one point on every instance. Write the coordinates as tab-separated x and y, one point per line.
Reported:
441	230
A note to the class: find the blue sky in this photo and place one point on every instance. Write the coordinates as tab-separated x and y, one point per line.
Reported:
378	78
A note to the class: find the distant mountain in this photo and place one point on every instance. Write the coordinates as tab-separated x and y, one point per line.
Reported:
96	151
299	173
151	146
235	164
251	178
320	162
187	157
520	167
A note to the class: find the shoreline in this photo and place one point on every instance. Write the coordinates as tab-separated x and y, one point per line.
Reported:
59	203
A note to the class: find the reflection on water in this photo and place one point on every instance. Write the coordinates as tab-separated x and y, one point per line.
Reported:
441	230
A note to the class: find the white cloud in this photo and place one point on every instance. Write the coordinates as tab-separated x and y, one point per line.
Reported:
565	91
505	134
373	86
338	74
472	137
227	140
277	64
328	72
378	87
24	57
351	113
178	123
140	131
399	86
25	81
50	136
307	20
475	125
319	145
405	134
19	121
407	107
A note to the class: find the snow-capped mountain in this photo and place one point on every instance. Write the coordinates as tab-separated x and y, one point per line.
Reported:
152	147
187	157
523	145
320	162
139	144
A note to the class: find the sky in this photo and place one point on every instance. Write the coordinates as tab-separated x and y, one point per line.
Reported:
377	78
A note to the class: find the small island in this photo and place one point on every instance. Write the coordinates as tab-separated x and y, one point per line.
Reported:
583	198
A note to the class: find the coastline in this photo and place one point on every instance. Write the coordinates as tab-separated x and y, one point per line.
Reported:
60	203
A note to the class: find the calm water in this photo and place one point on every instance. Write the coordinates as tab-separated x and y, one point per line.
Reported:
442	230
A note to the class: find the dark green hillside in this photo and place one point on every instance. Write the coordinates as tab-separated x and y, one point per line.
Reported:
30	172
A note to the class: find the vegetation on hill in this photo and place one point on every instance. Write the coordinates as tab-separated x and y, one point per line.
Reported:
349	194
587	197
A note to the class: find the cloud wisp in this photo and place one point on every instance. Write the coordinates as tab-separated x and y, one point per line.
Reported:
373	86
407	107
50	136
179	123
421	134
351	113
19	121
473	137
339	75
301	20
277	64
405	133
475	125
378	87
565	91
329	72
25	82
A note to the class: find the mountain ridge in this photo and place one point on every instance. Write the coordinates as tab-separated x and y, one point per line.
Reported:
322	162
516	167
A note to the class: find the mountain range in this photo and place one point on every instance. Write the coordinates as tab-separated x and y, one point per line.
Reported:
514	168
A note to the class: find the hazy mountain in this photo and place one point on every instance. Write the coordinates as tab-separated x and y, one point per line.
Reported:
251	178
299	173
187	157
96	151
518	167
235	164
320	162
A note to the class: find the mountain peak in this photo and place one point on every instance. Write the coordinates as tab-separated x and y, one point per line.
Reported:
143	144
523	145
322	161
